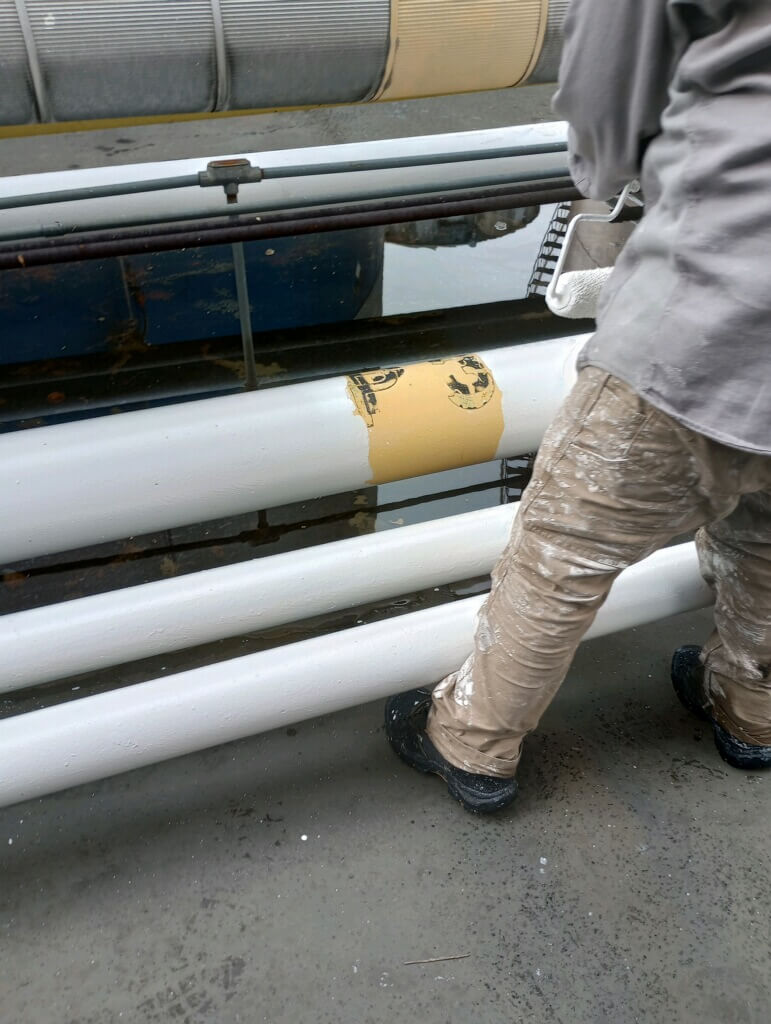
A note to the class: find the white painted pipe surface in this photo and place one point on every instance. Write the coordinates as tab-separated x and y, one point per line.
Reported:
95	632
287	193
95	737
90	481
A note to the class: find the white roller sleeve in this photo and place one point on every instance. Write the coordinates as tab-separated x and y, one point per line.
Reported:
95	737
577	293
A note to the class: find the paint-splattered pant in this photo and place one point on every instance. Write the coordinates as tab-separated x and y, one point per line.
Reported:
614	480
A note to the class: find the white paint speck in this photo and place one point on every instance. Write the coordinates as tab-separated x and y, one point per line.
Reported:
544	860
10	842
304	838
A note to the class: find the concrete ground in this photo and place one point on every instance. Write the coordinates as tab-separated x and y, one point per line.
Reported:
291	876
321	126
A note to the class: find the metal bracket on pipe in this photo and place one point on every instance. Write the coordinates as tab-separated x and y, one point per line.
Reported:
229	174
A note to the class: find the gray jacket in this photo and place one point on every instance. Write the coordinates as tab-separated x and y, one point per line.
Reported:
678	94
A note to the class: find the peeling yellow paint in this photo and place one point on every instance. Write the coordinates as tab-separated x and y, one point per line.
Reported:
363	522
269	369
428	416
236	366
168	566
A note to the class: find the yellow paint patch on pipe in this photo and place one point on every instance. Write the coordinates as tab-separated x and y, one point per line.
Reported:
451	46
429	416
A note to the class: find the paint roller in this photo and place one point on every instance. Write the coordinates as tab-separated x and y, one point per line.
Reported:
575	294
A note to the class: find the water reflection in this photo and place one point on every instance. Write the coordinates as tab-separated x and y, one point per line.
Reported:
438	266
495	264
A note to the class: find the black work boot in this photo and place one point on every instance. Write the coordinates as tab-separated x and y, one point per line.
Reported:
688	681
405	725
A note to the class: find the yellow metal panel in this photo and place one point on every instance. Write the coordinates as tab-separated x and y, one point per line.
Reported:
427	417
450	46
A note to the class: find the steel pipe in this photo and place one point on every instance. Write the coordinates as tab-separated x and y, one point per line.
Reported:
95	737
91	633
85	482
456	160
85	245
116	190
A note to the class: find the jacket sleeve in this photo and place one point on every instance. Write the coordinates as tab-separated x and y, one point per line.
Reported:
617	62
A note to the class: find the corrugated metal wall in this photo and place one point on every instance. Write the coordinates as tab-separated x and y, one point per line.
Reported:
548	62
73	61
299	52
446	46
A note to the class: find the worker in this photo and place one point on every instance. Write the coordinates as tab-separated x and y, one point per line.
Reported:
668	426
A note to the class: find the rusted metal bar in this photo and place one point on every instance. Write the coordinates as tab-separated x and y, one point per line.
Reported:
247	227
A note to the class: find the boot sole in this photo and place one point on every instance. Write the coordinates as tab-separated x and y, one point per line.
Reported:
427	766
736	753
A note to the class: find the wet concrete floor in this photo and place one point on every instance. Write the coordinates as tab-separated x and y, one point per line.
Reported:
291	876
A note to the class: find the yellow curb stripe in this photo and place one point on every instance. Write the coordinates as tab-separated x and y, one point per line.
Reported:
15	131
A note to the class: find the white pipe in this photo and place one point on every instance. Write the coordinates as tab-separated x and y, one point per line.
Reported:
90	481
95	632
282	194
99	736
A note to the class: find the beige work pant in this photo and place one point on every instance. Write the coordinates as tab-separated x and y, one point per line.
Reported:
614	480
